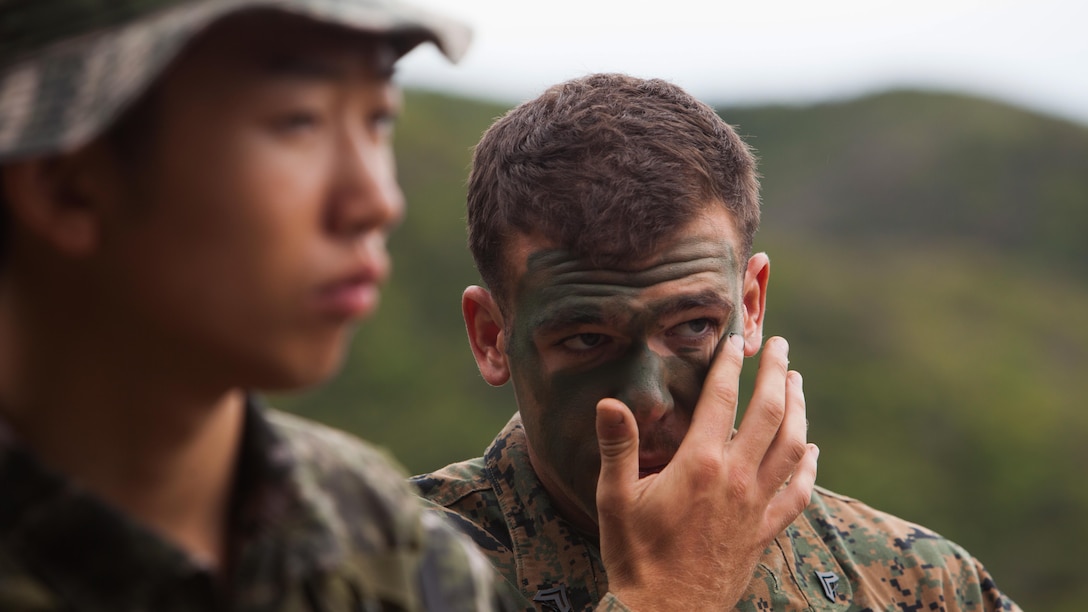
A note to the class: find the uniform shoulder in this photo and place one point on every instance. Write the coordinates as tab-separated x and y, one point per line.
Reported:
449	485
338	470
313	442
462	494
319	439
360	479
458	569
836	515
831	508
893	551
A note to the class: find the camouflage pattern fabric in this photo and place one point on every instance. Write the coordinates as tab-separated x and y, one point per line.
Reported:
68	68
838	555
321	522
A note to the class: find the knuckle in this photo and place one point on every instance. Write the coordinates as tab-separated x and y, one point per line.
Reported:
614	450
795	451
774	410
740	485
723	394
788	510
800	502
708	466
806	497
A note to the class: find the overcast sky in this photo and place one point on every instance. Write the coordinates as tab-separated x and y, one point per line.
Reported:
1031	53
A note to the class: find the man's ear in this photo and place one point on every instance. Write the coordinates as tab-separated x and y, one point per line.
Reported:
754	298
486	336
59	200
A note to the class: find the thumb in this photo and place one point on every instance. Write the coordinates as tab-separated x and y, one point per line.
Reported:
617	438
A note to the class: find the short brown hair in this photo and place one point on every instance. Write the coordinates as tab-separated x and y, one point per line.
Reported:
607	165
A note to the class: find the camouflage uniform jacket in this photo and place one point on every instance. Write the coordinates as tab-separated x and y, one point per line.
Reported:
320	522
838	555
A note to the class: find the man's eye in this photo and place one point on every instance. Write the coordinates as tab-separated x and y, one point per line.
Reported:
694	328
296	121
384	122
583	342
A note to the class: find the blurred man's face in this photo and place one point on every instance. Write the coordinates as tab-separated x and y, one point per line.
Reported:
644	334
253	232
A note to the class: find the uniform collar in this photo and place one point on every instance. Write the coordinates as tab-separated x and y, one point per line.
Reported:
84	550
555	563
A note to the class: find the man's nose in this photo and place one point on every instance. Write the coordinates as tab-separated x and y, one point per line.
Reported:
646	388
366	196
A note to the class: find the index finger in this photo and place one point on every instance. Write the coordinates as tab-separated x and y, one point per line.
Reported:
767	410
716	410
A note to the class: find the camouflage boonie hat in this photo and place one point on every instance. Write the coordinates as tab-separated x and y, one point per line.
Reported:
68	68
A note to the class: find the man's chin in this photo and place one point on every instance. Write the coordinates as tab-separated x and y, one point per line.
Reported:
298	374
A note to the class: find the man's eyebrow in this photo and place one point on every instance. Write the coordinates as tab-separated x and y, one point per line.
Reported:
707	299
565	318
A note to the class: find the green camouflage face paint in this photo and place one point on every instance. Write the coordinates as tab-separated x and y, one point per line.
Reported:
644	334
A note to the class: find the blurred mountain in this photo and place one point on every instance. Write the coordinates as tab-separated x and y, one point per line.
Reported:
923	166
929	267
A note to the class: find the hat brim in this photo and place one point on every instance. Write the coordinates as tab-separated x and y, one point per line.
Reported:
63	97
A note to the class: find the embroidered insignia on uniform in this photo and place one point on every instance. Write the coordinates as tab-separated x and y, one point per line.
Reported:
555	597
827	581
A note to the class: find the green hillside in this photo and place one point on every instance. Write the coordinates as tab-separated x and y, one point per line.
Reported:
929	267
928	167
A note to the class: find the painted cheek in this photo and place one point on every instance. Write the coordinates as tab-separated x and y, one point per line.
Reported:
644	383
549	403
568	425
641	379
657	385
686	381
685	373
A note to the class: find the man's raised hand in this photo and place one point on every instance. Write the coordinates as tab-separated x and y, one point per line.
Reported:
689	538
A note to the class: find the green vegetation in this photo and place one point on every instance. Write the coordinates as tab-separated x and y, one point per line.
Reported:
930	269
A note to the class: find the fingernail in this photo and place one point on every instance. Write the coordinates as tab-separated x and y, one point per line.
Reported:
816	450
795	378
736	340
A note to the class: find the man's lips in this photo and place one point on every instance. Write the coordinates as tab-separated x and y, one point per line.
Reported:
652	462
351	297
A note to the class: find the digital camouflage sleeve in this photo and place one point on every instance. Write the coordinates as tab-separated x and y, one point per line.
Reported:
840	554
322	523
